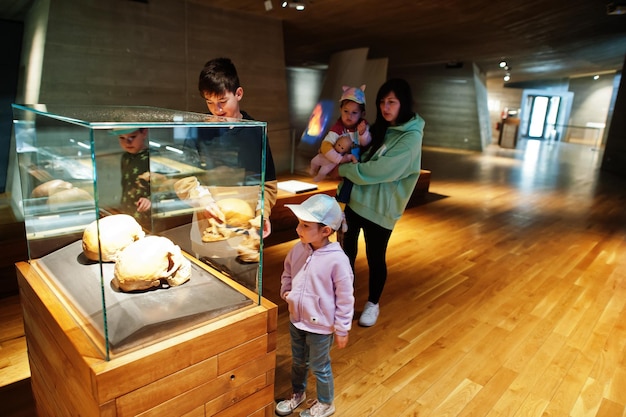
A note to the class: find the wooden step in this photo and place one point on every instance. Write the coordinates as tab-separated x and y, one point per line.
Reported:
16	398
13	354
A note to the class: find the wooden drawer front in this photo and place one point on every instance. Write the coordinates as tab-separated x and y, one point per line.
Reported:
213	395
244	389
240	355
165	390
235	404
113	381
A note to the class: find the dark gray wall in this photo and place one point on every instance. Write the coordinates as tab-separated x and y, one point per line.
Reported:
122	52
11	33
614	159
448	101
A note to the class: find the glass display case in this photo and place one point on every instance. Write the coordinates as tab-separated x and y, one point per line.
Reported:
140	242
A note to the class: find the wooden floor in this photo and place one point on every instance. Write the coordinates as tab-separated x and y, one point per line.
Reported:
15	396
507	298
506	294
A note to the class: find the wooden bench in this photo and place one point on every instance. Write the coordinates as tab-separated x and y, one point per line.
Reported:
284	222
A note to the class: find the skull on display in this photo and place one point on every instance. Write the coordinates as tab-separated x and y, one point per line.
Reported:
114	232
150	262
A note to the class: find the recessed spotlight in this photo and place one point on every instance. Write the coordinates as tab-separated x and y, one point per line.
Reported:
595	77
507	77
502	64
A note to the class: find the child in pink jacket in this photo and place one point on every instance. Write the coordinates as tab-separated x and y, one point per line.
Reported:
317	283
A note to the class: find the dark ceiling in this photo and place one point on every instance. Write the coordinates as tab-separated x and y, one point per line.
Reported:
539	39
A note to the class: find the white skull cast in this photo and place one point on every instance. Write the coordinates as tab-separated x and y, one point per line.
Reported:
114	233
149	262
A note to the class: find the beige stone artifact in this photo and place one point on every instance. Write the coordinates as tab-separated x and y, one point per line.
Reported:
249	248
70	195
48	188
221	219
116	232
150	262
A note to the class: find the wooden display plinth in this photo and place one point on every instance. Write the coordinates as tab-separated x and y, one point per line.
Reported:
222	368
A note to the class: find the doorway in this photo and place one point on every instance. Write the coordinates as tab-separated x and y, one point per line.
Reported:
544	111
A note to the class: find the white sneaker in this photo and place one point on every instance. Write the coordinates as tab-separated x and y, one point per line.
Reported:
286	407
318	409
369	315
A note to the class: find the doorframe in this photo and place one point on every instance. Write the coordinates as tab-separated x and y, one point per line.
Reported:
565	108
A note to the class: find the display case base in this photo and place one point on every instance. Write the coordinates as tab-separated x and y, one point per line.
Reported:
224	367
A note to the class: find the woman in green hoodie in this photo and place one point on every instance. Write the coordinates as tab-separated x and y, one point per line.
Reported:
383	184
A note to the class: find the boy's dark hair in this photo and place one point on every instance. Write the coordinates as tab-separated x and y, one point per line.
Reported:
218	76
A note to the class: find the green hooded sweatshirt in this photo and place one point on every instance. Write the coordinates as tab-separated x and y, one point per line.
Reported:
384	183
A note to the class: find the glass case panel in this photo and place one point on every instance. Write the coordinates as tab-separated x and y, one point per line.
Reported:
142	217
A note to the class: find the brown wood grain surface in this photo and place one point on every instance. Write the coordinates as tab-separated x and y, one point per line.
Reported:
505	297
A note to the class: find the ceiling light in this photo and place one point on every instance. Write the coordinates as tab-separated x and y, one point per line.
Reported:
294	4
268	5
595	77
507	77
502	64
